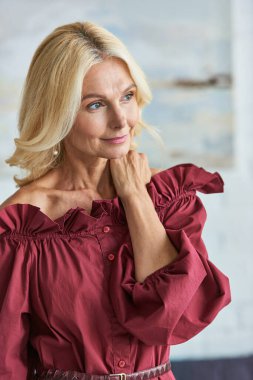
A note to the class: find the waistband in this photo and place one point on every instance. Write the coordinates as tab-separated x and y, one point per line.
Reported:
55	374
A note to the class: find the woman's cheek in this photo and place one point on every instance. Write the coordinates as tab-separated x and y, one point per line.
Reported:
134	116
89	125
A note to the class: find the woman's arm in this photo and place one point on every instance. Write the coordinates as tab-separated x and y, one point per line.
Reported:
15	265
178	301
151	246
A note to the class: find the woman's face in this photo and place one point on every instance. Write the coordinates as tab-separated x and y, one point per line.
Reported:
109	110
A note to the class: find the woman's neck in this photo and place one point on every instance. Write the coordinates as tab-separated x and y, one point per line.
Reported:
94	176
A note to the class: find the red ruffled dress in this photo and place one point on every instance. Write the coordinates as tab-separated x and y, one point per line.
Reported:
68	295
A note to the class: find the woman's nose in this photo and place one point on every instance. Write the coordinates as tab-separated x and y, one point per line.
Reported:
117	118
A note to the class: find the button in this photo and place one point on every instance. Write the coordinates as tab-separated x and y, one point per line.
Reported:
122	363
106	229
111	256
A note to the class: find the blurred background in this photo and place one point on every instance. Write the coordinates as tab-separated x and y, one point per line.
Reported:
198	58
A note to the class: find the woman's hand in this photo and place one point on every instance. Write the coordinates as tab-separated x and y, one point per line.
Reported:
130	173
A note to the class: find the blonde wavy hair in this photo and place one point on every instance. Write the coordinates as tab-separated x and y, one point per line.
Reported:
52	93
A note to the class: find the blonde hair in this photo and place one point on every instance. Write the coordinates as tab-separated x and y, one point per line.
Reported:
52	93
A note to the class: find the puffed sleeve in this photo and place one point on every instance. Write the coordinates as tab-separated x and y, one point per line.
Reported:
15	262
179	300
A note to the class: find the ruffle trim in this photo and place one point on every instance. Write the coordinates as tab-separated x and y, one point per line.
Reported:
164	188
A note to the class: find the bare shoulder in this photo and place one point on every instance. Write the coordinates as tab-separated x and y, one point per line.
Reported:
25	195
17	197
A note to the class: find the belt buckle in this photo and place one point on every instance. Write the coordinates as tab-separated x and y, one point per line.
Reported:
122	375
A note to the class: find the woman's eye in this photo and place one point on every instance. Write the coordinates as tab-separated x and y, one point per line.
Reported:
94	106
129	96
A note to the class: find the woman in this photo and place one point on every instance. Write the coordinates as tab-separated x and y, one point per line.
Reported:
102	265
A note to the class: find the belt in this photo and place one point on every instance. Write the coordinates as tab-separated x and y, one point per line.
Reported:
150	373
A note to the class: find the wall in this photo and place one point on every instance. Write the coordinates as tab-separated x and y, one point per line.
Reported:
230	219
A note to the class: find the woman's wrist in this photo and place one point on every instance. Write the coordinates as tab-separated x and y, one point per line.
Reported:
135	196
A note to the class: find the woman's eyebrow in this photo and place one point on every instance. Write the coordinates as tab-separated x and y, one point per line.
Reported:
94	95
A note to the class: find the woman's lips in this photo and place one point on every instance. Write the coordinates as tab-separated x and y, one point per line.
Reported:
116	140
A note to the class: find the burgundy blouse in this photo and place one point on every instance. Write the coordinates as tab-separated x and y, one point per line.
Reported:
68	295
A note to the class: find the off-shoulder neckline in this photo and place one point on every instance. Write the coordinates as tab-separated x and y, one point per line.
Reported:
158	188
95	202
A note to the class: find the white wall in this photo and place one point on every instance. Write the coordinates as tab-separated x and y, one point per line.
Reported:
229	229
230	218
228	233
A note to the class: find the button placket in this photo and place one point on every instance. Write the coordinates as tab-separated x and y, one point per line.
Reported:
122	363
111	257
106	229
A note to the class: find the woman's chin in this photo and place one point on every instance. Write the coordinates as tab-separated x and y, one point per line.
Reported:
118	153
